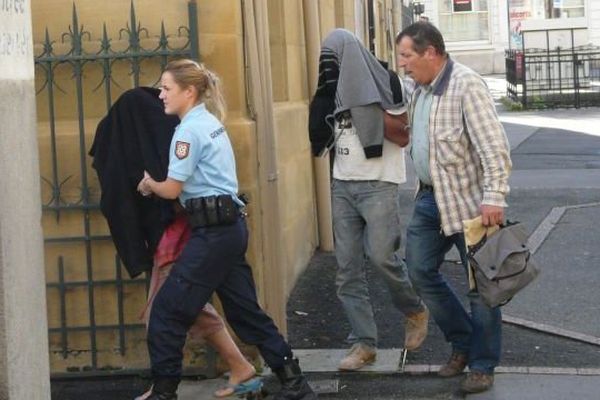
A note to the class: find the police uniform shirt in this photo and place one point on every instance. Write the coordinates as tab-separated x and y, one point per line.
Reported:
201	157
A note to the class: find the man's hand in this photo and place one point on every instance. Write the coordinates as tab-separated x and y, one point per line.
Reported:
396	129
491	215
143	186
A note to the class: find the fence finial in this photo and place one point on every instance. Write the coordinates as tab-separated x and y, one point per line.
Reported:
47	44
76	33
163	41
134	38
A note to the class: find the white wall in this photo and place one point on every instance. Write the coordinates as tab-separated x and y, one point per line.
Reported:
593	17
499	23
485	57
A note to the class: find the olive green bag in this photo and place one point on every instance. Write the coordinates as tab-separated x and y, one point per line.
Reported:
502	264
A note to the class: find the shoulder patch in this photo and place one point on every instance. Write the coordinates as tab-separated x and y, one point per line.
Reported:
182	149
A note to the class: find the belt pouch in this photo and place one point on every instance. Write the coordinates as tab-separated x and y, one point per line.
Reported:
195	212
228	210
210	209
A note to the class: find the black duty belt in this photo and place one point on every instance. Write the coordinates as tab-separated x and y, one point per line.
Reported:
212	211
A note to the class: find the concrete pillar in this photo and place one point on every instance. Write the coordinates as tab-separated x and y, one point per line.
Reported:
261	96
24	371
320	164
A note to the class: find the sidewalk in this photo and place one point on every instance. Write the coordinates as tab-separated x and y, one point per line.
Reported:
551	334
521	386
552	329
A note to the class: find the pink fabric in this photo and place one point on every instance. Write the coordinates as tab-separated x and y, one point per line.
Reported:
169	248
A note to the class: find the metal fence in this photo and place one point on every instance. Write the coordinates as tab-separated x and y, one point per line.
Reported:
78	77
549	78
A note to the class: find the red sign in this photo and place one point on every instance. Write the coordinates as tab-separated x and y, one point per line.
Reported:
462	5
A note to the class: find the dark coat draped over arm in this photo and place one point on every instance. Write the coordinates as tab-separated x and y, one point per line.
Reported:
134	136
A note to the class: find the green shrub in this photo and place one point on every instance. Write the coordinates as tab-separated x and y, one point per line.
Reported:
511	105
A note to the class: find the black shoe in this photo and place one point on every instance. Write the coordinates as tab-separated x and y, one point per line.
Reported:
294	385
151	395
162	389
162	396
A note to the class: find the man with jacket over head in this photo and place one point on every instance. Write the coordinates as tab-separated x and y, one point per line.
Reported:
347	115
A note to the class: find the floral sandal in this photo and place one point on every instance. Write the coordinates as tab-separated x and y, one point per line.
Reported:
249	388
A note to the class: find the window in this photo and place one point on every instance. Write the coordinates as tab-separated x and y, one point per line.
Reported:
464	20
564	9
551	9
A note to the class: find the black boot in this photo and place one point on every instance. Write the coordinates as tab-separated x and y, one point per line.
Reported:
294	385
162	396
163	389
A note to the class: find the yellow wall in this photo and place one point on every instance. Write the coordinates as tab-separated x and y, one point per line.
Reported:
290	90
222	48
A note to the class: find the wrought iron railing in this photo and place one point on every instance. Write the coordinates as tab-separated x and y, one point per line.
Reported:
549	78
80	69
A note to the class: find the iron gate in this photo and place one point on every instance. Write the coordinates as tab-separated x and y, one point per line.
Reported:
553	77
92	308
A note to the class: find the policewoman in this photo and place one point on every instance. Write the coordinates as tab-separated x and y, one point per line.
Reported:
202	176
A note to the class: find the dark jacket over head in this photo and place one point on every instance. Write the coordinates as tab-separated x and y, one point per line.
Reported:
134	136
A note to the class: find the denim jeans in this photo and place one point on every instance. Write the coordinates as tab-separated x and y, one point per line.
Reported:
478	335
366	221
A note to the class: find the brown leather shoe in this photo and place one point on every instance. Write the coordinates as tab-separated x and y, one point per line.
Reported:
477	382
455	365
415	330
359	355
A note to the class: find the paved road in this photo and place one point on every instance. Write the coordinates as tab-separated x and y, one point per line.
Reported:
562	297
556	158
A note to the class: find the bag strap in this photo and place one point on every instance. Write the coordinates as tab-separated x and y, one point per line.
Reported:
473	249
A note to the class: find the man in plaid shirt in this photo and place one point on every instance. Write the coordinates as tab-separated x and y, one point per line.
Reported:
461	157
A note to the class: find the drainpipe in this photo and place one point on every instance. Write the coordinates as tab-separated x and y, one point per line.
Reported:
396	27
261	97
320	164
371	26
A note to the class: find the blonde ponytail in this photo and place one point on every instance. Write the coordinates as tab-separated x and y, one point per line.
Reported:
213	96
190	73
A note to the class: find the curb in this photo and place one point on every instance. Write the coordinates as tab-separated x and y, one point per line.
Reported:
388	361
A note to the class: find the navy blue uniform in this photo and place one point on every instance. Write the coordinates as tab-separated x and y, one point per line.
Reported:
214	259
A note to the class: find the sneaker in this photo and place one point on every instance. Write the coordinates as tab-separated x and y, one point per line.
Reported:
415	330
477	382
359	355
455	365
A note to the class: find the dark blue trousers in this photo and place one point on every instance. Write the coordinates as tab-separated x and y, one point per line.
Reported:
214	260
478	334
